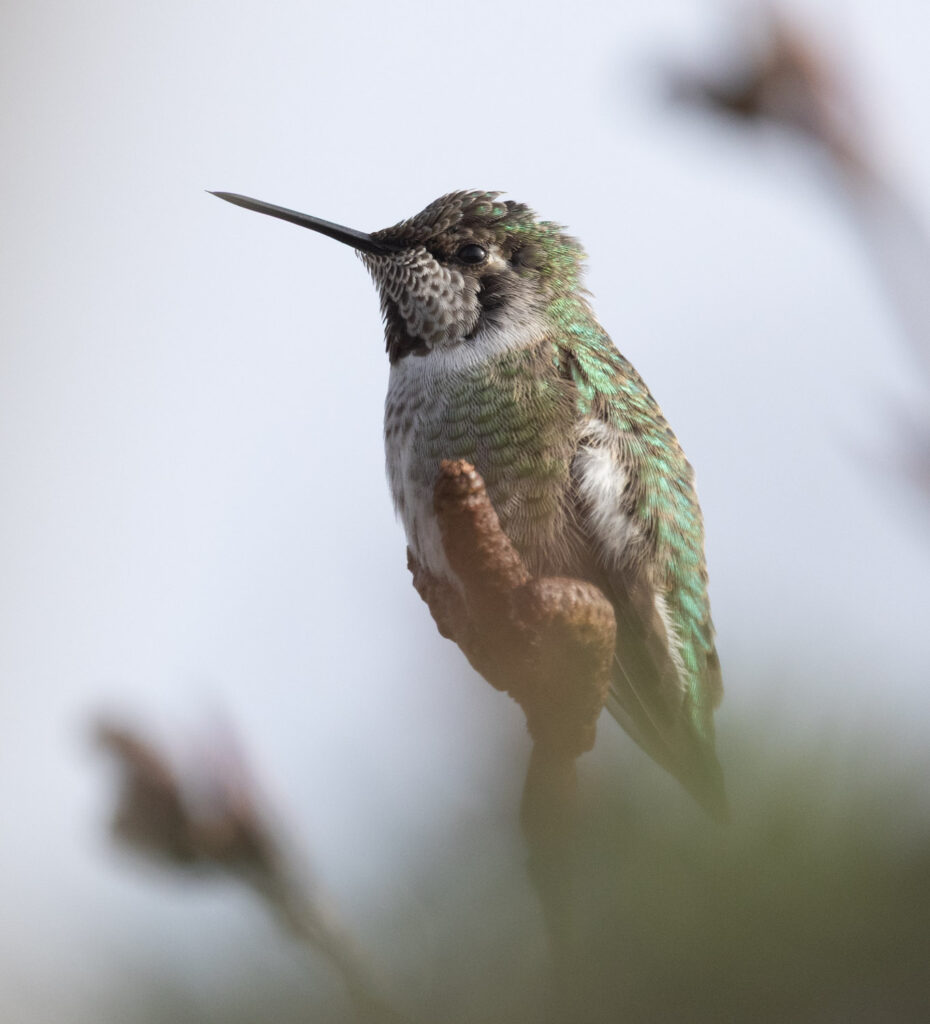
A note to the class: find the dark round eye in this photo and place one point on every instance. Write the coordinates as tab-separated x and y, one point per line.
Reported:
472	253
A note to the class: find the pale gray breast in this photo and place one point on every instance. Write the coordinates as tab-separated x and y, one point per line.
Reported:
414	411
520	435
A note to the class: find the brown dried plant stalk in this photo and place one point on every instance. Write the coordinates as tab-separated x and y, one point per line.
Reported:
549	643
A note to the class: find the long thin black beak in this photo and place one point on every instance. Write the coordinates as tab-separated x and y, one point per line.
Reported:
357	239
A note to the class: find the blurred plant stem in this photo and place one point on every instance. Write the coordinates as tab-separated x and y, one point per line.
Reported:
785	77
227	828
549	643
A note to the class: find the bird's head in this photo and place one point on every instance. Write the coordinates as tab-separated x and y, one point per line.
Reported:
468	266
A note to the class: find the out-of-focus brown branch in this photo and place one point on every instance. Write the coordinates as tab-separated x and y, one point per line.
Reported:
784	77
225	829
793	82
549	643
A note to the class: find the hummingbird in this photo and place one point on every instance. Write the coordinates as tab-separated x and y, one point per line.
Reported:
496	357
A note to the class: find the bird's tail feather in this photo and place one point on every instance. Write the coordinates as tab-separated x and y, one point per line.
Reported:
679	750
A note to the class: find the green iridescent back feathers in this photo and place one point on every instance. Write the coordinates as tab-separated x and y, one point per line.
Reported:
664	501
610	389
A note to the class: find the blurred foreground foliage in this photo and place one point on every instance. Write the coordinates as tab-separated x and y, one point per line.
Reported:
811	906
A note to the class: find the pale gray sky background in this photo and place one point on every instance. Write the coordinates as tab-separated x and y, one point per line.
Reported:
193	511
